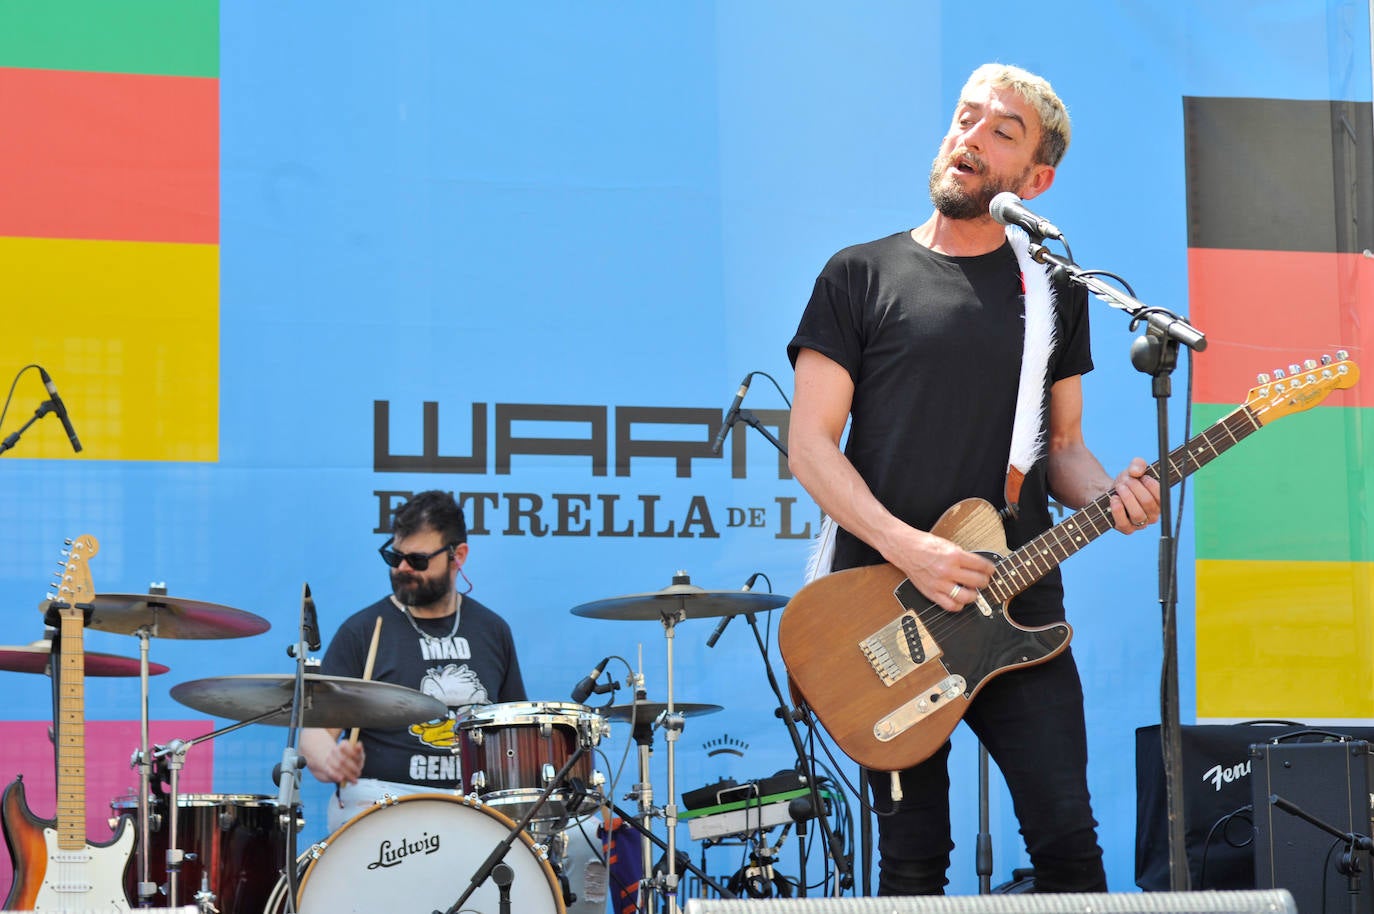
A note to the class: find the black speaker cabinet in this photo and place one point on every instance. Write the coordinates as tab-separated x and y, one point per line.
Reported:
1330	782
1251	902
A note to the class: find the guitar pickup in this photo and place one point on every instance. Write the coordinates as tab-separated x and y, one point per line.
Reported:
899	647
914	711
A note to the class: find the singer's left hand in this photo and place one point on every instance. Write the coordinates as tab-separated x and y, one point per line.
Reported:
1135	498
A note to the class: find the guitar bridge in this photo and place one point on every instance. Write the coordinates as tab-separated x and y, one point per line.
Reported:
914	711
899	647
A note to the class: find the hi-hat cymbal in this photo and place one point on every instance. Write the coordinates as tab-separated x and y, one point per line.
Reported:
330	701
643	711
171	617
35	657
686	601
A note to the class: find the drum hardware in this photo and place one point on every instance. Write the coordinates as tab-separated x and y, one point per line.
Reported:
156	615
511	752
498	853
679	601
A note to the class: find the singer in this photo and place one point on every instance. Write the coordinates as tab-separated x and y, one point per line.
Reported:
959	362
434	639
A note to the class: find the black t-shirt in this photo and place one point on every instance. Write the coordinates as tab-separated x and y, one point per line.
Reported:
933	345
476	666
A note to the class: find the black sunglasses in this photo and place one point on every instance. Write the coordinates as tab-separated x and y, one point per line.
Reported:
416	560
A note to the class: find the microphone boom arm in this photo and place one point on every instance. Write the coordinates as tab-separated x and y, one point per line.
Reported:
1165	323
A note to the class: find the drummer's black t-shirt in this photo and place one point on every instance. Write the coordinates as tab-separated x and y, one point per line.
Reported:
475	665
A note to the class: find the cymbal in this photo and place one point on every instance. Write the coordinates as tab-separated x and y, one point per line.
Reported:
691	600
643	711
330	701
35	657
171	617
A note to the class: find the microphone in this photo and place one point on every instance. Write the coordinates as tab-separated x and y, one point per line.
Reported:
583	690
731	414
720	628
1008	209
60	408
310	623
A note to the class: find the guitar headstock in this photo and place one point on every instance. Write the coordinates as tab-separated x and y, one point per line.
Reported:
74	585
1300	387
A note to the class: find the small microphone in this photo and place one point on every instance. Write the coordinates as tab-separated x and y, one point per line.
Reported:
310	623
584	689
1008	209
60	408
720	628
731	414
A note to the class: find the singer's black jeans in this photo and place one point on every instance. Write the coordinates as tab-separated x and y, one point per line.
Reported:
1031	721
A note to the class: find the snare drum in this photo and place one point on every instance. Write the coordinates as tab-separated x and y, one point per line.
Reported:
231	841
418	854
511	751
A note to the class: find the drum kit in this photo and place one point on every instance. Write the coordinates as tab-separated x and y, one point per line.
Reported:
527	774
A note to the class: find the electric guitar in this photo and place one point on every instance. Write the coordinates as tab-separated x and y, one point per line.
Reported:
55	869
890	674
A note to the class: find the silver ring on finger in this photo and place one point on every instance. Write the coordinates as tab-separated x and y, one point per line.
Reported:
954	594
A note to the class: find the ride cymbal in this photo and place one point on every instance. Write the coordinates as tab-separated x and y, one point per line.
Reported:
171	617
642	711
681	599
329	701
35	658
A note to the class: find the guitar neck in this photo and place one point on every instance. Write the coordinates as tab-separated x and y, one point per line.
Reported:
71	733
1037	558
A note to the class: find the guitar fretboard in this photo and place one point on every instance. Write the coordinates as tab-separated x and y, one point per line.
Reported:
1037	558
71	736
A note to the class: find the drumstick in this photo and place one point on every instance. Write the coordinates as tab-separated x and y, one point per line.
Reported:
367	667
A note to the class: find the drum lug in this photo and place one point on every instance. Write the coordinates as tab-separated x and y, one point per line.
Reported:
479	781
476	736
549	773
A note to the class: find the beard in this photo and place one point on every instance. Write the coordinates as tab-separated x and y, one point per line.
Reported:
418	590
954	201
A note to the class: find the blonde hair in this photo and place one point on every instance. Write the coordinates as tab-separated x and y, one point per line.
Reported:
1039	94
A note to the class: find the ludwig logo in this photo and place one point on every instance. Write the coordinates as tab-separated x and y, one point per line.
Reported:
389	854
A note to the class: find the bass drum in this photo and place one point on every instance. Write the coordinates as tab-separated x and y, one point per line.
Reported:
417	855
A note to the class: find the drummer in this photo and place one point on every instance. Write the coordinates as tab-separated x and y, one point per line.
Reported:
432	638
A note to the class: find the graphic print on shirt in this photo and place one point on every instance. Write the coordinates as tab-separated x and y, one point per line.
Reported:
456	686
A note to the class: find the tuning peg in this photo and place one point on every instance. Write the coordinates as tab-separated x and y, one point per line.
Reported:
1342	354
1326	359
1293	369
1309	364
1263	378
1278	373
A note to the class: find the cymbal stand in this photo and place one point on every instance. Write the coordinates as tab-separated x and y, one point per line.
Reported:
143	761
173	754
672	724
643	733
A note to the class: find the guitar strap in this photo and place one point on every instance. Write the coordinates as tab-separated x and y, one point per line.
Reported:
1028	428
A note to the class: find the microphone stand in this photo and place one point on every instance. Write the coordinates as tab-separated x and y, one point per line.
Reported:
1155	354
843	877
12	439
498	853
748	418
1349	867
287	773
